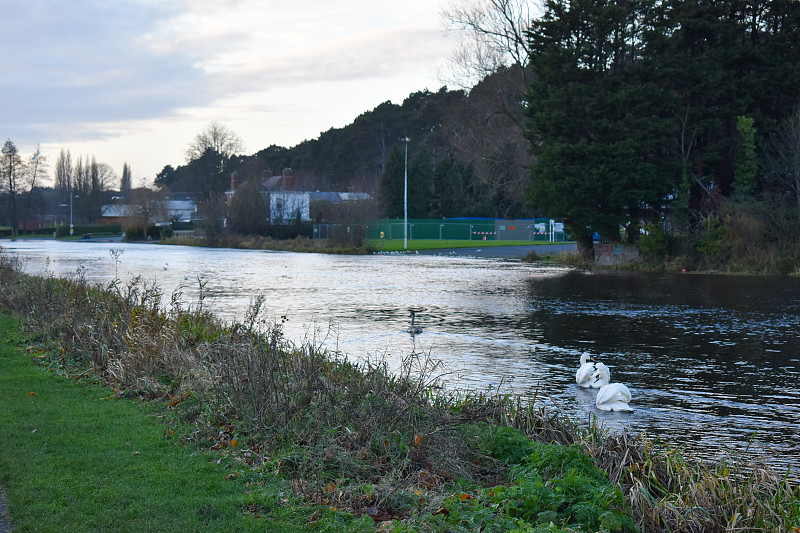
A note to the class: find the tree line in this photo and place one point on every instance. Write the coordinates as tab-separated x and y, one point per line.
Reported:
673	120
80	188
467	154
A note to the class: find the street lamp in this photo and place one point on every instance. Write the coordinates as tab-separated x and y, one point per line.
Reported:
405	198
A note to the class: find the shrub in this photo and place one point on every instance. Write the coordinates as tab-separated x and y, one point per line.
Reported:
653	242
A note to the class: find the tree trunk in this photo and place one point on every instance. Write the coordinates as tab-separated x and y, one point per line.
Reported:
585	247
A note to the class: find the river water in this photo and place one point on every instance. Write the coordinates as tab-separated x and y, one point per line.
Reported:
713	362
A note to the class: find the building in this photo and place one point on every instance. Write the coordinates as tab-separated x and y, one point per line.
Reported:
174	209
284	204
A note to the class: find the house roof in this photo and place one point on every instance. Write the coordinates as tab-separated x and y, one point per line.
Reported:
339	196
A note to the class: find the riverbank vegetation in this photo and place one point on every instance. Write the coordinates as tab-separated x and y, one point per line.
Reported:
385	446
333	246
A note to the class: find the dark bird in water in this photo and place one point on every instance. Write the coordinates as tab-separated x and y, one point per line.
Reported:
414	329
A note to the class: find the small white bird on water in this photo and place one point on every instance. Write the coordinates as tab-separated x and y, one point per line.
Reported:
414	329
611	396
583	376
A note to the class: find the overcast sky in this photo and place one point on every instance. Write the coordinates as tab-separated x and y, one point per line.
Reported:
135	80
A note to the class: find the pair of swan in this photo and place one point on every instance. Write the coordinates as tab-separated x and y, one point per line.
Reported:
611	396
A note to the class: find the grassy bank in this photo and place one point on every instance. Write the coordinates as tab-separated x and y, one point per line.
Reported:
396	245
303	244
79	457
391	449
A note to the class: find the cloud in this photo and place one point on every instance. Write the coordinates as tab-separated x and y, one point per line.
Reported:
91	70
72	63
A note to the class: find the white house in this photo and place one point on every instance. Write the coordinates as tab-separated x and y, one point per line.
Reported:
285	206
284	203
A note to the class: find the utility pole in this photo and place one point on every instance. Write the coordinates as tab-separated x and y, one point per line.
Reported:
405	199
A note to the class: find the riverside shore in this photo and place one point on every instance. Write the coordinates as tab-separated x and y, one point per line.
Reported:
358	444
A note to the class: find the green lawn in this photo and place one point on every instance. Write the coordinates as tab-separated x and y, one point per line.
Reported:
394	245
76	458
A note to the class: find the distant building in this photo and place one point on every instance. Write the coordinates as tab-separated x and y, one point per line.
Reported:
285	203
182	209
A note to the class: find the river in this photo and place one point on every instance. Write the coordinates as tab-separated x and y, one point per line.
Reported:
713	362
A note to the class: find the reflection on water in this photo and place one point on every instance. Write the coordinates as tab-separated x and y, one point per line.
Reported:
713	362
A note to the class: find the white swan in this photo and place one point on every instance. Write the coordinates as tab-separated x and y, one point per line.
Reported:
611	396
412	328
583	376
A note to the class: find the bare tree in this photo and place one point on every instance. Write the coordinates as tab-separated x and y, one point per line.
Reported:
63	172
148	206
782	158
101	176
493	37
90	181
10	174
34	167
217	137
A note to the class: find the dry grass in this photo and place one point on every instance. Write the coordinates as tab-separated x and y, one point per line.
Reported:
257	242
380	439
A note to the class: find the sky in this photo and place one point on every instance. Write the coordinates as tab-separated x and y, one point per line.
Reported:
135	80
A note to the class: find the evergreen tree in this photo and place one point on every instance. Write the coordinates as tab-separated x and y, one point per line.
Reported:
448	190
390	194
744	178
125	181
634	102
247	212
420	185
596	119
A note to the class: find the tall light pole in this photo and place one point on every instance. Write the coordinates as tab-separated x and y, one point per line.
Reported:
71	227
405	198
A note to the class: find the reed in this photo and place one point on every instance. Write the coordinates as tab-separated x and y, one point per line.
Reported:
353	435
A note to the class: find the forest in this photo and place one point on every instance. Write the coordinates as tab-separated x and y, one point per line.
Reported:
467	155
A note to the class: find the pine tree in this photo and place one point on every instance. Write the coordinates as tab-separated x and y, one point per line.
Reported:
420	185
125	181
247	212
390	193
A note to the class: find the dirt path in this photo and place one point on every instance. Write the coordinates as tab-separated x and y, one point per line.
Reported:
505	252
5	525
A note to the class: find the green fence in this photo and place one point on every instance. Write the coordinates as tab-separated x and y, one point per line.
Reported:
466	229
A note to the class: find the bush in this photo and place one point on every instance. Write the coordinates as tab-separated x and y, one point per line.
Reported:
63	231
137	233
653	242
